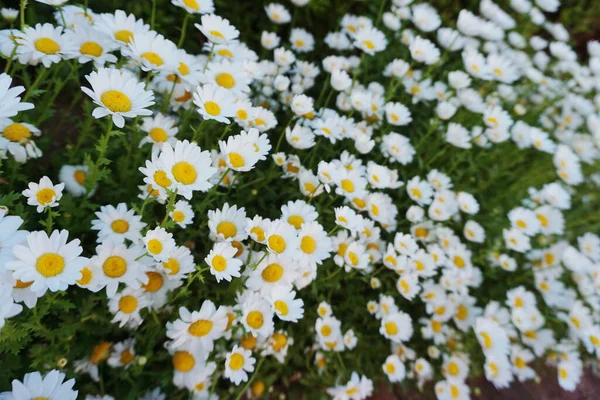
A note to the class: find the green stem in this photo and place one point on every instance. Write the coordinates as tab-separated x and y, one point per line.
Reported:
247	385
153	16
36	83
283	134
183	30
22	14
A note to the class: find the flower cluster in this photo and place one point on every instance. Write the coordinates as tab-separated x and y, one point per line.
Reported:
214	213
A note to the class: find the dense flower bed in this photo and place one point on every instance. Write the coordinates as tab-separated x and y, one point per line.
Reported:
189	210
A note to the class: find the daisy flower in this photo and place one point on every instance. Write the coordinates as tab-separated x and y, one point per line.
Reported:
52	387
394	368
238	363
153	52
270	273
123	354
298	212
116	224
120	26
257	315
222	263
195	6
396	327
73	177
43	43
228	223
188	366
228	75
182	214
214	102
278	14
179	264
285	304
160	129
370	40
10	101
48	262
118	94
217	30
8	307
91	45
190	167
198	329
159	243
126	307
282	240
118	264
315	245
45	194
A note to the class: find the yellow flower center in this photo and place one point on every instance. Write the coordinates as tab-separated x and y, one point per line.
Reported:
86	276
279	340
128	304
22	285
183	69
248	342
368	44
308	244
236	160
259	233
258	388
160	177
459	261
277	243
200	328
91	49
453	369
272	273
50	264
487	340
462	312
225	53
155	246
158	134
353	258
242	114
114	267
236	361
80	176
348	185
296	221
47	46
183	361
255	319
153	58
116	101
120	226
520	363
45	196
16	132
178	216
126	357
225	80
217	34
391	328
212	108
155	282
282	307
219	263
227	229
193	4
326	330
390	368
172	265
184	172
124	35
